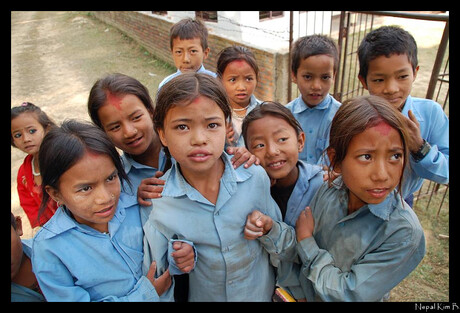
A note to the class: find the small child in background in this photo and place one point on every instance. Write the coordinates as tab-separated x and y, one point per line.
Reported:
29	124
206	201
238	71
24	285
388	67
273	134
359	239
91	249
189	47
314	63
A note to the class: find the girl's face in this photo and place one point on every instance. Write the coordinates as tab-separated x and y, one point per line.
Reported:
373	165
90	190
128	123
277	146
27	133
195	135
314	78
239	80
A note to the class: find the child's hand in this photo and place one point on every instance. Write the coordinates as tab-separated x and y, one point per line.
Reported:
241	155
230	134
150	188
414	130
162	283
305	224
257	224
184	256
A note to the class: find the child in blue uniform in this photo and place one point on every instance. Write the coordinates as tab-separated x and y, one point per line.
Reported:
91	249
273	134
388	67
314	64
359	239
206	201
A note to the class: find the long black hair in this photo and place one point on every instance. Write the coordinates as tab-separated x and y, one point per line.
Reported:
64	146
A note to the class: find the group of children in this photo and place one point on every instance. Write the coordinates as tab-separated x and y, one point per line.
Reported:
177	217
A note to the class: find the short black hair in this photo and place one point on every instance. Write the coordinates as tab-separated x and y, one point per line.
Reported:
386	40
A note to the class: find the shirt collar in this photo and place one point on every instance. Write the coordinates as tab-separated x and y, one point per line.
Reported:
301	106
177	186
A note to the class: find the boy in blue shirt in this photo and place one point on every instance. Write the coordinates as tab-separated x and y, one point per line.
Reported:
388	67
189	47
314	65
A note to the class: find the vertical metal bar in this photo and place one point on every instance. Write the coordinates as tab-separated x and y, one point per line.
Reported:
291	28
438	62
337	92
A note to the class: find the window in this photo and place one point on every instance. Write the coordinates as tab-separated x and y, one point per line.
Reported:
266	15
209	16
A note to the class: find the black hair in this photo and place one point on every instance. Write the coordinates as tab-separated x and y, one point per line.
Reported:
64	146
233	53
308	46
116	84
386	40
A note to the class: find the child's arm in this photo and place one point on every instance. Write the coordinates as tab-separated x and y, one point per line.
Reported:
370	277
150	188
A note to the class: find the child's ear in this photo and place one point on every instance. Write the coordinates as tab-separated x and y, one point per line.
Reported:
301	141
161	134
363	81
293	77
54	194
206	53
331	156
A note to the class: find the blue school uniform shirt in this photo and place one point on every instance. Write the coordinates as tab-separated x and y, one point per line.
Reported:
74	262
20	293
228	266
316	124
434	128
363	255
200	70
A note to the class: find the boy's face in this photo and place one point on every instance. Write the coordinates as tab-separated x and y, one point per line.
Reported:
188	54
314	78
277	146
390	78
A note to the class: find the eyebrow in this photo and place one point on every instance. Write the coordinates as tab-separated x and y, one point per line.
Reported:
184	119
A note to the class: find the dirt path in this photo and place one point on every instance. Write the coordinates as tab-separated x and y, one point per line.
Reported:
55	59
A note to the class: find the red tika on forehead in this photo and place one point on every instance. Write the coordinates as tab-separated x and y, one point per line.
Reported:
114	100
383	128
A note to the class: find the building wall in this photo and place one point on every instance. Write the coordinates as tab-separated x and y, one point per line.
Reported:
152	33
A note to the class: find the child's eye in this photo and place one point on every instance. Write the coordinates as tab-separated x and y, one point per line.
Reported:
182	127
17	135
364	157
379	80
404	76
32	131
213	125
283	139
258	146
307	77
112	177
396	157
135	118
85	189
114	128
326	77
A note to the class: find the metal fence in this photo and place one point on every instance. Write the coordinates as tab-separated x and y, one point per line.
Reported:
348	28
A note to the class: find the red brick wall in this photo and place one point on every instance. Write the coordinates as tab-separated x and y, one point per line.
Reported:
153	34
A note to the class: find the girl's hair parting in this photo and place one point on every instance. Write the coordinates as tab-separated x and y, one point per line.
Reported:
233	53
312	45
355	116
189	28
272	108
183	89
28	107
385	41
64	146
116	85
